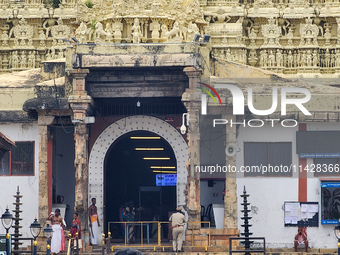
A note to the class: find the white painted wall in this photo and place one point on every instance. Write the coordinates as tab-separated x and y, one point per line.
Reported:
268	194
29	185
323	236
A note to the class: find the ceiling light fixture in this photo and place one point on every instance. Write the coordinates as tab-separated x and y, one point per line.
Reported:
149	149
156	158
145	137
162	167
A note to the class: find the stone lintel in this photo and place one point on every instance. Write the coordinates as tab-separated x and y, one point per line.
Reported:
137	91
140	60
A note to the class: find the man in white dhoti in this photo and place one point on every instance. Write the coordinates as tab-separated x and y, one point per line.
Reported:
57	226
94	221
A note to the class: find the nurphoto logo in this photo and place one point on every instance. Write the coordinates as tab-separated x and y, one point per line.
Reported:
238	104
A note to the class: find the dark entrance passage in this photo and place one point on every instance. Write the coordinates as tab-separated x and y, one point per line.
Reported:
140	168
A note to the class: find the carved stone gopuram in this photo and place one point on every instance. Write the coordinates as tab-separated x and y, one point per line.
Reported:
297	38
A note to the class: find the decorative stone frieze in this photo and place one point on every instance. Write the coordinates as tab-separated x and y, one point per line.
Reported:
305	31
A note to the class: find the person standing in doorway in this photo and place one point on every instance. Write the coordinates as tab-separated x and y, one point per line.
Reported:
94	221
57	226
177	220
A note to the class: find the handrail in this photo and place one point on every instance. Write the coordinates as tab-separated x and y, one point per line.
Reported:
159	227
72	247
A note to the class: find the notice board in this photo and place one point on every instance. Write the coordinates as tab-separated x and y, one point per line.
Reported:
301	214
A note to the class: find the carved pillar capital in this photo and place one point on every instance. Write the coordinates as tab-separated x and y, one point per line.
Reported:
44	120
80	102
79	80
194	75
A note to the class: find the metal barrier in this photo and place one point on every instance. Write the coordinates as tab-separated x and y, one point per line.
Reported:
73	245
149	241
247	251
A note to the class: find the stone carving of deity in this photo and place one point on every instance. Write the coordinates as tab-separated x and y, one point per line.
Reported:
271	33
327	58
290	37
31	59
337	58
164	29
136	32
4	38
309	33
228	55
315	58
327	37
271	59
263	58
15	60
290	59
23	60
279	58
81	32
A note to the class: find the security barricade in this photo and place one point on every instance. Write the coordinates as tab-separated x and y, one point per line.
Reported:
156	235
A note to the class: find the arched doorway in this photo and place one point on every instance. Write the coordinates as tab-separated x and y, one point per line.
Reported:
118	129
140	168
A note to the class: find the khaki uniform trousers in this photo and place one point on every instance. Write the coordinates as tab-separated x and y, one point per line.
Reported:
177	238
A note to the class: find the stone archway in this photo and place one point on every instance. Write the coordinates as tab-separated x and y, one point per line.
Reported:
121	127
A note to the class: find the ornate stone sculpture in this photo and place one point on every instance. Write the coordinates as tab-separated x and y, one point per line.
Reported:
271	34
309	33
23	33
234	30
174	31
60	31
136	32
100	32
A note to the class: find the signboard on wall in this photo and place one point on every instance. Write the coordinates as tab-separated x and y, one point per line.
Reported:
301	214
319	155
330	202
166	179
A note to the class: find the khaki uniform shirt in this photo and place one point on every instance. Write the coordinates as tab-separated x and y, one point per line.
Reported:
177	219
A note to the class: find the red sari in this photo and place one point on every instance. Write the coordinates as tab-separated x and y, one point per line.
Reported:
76	228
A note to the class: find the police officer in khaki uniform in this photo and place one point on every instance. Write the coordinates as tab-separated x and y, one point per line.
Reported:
177	221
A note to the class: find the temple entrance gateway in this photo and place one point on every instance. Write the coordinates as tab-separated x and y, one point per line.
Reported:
100	160
140	169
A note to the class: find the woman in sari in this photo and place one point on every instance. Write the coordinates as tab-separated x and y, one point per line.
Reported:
76	228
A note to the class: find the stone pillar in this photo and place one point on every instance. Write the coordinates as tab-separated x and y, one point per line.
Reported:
44	133
81	104
230	199
192	101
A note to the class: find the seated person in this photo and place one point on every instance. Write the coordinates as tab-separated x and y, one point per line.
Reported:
301	238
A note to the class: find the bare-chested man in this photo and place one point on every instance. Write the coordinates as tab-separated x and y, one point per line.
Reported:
301	239
57	226
94	221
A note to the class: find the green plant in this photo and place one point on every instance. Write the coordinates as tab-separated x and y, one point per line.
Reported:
93	24
88	3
